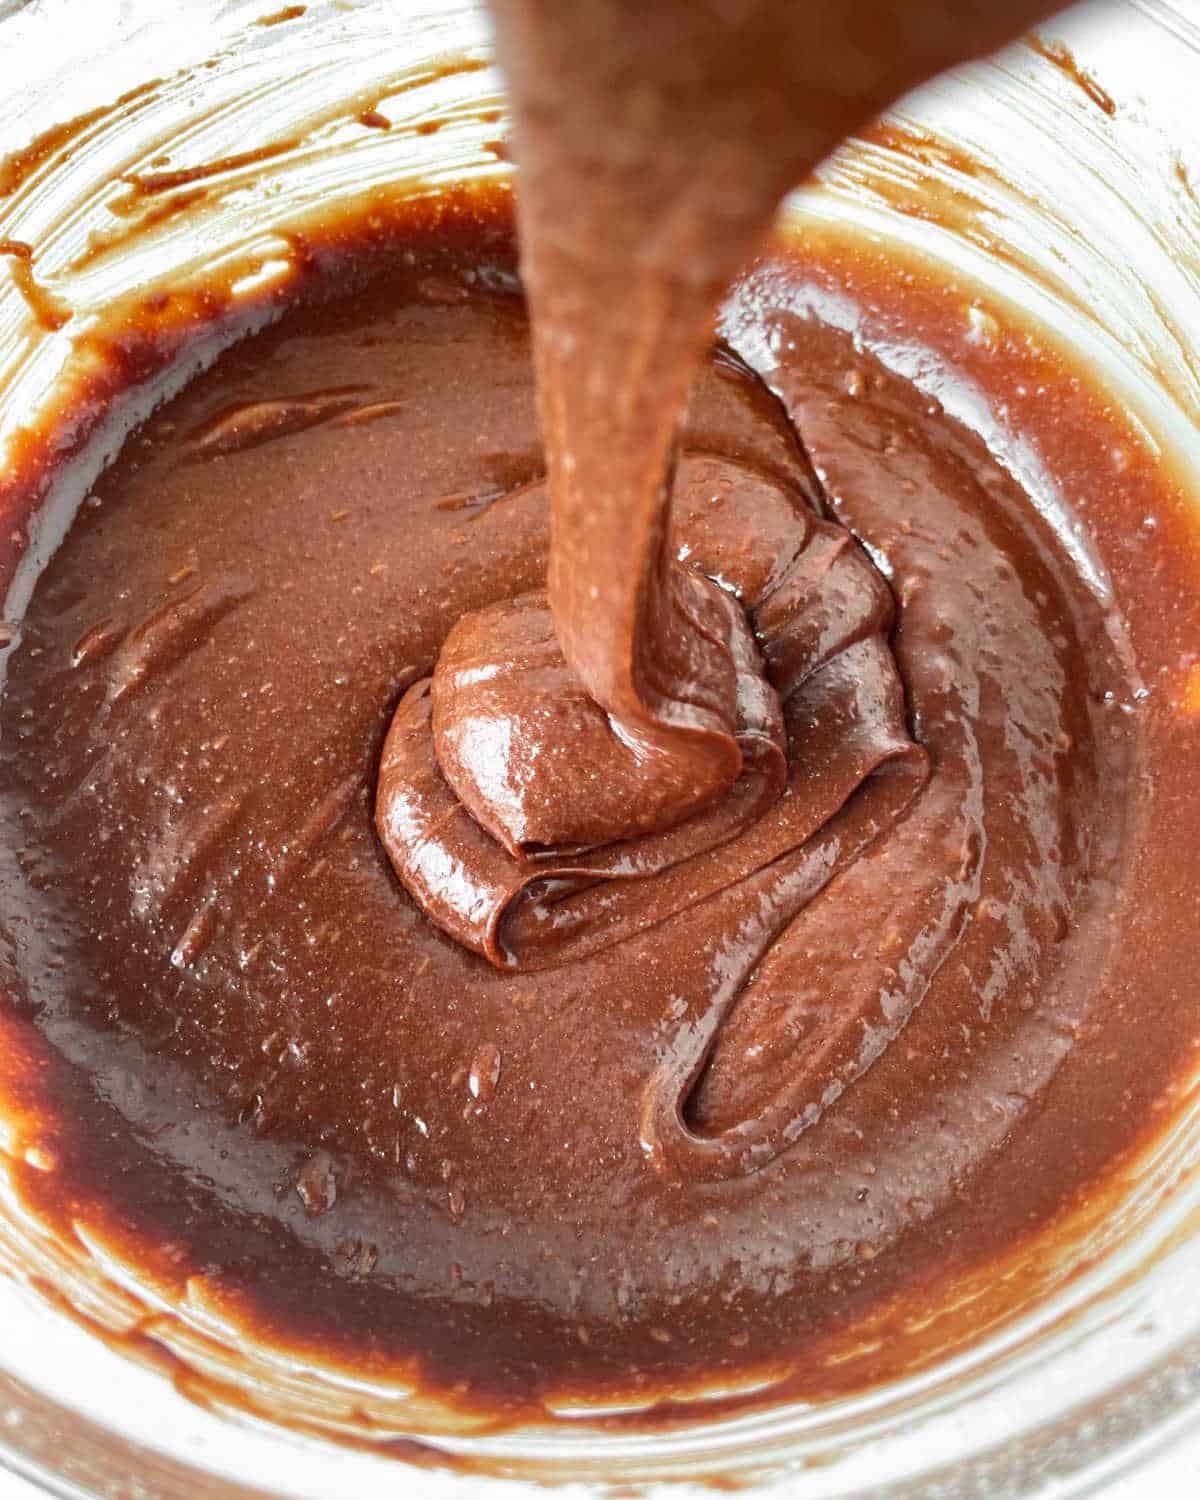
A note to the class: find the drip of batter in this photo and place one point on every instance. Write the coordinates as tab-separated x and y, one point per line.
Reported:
590	759
655	144
655	149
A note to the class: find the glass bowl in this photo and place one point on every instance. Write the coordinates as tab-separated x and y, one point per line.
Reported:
1056	182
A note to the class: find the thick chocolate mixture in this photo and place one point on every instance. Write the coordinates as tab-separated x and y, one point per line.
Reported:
530	1177
819	933
654	149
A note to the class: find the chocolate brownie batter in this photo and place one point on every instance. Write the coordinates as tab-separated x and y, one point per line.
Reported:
642	710
665	972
